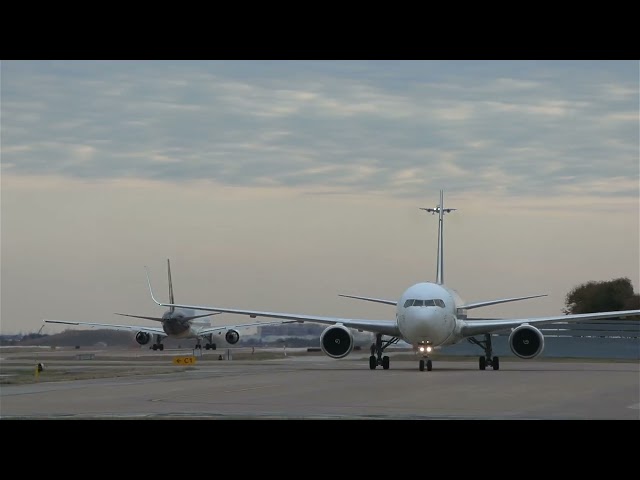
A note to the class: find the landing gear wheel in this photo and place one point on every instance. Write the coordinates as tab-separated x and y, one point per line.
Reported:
154	347
385	362
377	349
372	362
487	358
429	366
421	365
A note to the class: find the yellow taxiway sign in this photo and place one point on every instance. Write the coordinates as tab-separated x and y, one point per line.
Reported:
184	360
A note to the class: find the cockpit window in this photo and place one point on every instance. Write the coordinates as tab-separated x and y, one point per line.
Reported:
412	302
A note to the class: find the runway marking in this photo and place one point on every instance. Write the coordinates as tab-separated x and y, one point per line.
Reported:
635	406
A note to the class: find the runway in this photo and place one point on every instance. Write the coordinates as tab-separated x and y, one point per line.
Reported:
318	387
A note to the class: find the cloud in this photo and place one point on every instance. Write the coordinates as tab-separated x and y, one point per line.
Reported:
364	126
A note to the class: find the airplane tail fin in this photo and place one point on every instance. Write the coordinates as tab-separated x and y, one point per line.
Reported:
440	271
171	299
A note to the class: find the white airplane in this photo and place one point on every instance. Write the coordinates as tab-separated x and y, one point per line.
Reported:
177	322
428	315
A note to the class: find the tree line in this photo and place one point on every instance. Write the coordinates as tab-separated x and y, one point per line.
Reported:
602	296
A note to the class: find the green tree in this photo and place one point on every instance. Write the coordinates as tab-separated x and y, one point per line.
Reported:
605	296
633	302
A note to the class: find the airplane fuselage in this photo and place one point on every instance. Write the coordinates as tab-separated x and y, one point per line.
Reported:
427	315
176	324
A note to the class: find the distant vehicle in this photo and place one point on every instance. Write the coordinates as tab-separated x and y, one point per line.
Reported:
428	315
177	323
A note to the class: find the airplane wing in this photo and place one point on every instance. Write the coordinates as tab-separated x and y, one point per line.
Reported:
110	326
481	326
222	328
160	319
369	299
500	300
437	210
386	327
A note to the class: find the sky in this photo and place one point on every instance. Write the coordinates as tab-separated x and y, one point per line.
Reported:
277	185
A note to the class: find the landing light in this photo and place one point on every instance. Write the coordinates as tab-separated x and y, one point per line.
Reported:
429	349
421	349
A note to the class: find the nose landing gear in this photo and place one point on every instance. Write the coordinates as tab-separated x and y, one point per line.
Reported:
422	364
425	360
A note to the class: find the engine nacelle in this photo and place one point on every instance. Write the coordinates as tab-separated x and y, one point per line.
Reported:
143	338
336	341
232	337
526	341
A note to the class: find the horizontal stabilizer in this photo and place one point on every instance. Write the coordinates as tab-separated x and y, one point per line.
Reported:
110	326
160	319
368	299
495	302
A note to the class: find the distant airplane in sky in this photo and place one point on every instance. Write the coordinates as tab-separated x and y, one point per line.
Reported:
428	315
436	209
177	323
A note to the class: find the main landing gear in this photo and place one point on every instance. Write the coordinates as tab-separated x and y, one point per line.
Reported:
377	348
208	345
488	352
158	345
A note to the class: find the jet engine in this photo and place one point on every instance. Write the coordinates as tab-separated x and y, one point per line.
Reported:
232	337
526	341
143	338
336	341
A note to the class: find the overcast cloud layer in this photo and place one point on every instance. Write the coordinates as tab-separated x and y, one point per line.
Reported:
393	127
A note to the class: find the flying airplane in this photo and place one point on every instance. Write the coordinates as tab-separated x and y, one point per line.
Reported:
436	209
428	315
177	322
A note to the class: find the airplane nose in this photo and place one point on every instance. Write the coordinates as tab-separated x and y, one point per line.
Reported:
428	315
422	323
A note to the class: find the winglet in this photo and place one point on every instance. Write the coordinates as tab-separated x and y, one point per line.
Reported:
171	300
150	289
